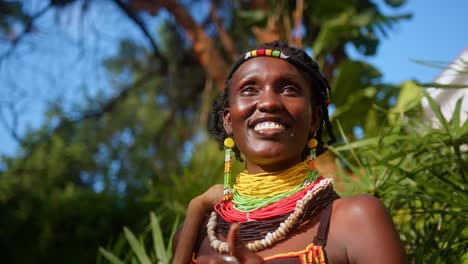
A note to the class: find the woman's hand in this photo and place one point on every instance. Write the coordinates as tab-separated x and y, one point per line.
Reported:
240	254
239	250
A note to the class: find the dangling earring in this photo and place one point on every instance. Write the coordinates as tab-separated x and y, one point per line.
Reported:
312	173
227	193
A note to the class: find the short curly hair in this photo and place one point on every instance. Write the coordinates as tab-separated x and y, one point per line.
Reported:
299	58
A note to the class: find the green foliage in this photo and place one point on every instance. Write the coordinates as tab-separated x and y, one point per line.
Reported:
356	22
138	252
410	97
419	169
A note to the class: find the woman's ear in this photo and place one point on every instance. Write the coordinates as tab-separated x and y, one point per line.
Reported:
316	120
227	121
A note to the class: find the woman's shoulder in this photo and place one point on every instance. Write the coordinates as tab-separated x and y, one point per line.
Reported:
358	206
362	223
361	211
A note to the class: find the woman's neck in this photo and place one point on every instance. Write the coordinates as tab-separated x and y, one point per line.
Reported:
267	183
269	167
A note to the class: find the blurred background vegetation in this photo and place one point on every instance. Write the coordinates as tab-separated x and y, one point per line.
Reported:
134	139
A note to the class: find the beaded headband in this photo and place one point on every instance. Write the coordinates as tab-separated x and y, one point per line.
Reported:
309	66
265	52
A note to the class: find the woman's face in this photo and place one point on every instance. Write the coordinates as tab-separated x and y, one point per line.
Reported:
270	114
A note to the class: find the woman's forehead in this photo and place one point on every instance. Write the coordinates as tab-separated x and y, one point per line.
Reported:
262	65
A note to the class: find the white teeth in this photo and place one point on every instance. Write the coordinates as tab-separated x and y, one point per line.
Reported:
269	126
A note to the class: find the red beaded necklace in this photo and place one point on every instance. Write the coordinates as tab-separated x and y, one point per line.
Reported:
228	212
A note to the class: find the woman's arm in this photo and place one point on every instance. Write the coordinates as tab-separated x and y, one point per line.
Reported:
194	218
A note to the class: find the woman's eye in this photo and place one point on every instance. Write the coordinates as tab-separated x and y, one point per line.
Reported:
248	90
291	90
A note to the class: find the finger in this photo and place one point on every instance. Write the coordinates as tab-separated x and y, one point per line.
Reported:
236	247
239	250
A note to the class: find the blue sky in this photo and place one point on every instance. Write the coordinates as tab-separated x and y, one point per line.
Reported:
437	32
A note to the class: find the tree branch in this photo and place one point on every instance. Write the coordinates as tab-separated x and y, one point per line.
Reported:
339	55
297	15
141	25
97	114
223	35
270	33
112	103
208	56
13	129
27	29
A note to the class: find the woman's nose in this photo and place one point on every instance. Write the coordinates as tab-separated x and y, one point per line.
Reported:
269	101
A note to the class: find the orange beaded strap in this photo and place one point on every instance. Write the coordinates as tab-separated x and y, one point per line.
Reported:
312	254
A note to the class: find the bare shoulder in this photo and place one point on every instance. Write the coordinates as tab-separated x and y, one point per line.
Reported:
363	212
362	207
366	229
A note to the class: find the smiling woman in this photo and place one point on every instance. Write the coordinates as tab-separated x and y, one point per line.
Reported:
270	114
280	210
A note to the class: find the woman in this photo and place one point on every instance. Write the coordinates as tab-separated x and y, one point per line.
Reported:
279	210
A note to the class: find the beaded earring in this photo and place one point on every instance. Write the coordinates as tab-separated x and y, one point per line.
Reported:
312	173
227	192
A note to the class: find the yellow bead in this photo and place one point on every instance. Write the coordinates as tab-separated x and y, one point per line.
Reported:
311	144
229	142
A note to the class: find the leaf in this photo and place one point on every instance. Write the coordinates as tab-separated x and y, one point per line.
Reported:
355	94
158	240
444	86
364	18
410	96
395	3
370	142
459	66
252	16
110	257
175	227
437	112
331	31
457	114
137	248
